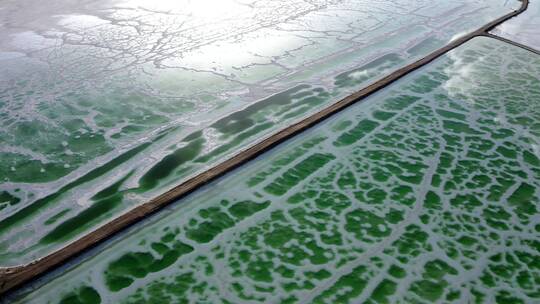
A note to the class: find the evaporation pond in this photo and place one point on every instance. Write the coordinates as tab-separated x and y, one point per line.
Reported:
104	105
426	191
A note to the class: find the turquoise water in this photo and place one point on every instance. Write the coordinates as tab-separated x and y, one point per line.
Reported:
427	191
107	104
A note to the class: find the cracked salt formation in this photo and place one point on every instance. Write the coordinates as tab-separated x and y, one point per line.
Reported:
426	191
107	104
524	28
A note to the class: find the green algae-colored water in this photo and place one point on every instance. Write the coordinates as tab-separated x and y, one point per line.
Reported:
427	191
106	104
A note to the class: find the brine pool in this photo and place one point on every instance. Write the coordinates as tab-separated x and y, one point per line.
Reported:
523	28
426	191
107	104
